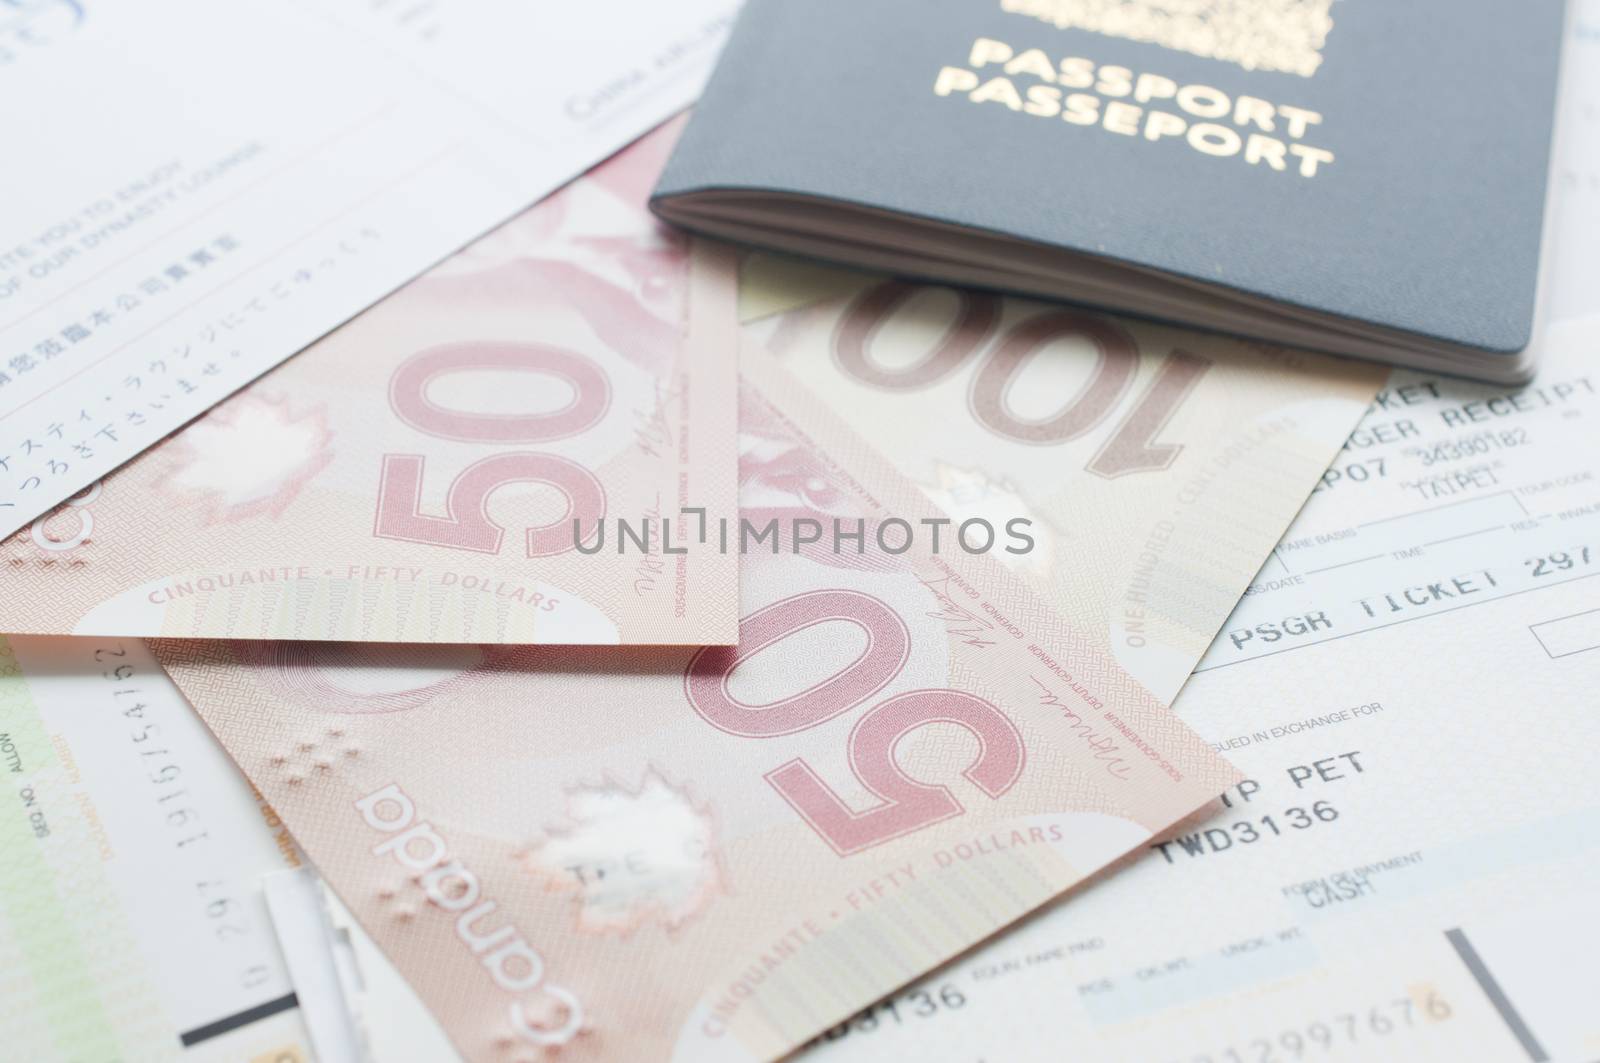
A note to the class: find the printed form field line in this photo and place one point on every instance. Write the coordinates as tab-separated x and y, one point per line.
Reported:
1447	505
1387	538
1342	564
1396	623
1567	635
1466	535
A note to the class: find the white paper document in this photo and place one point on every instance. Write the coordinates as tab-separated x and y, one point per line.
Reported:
196	191
1411	870
132	920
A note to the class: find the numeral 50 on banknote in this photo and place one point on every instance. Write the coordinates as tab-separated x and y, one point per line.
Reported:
467	525
908	805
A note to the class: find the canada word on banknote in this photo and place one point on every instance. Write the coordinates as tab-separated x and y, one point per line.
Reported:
902	754
1157	467
416	475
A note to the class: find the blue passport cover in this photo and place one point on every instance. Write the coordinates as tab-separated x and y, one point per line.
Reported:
1381	160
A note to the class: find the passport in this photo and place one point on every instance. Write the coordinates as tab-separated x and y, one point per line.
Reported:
1366	179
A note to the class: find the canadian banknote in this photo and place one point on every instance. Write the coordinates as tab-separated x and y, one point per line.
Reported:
1158	466
712	854
425	473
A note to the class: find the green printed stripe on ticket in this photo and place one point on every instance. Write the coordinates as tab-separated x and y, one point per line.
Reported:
45	968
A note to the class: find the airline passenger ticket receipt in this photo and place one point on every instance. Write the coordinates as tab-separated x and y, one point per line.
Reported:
1410	870
210	188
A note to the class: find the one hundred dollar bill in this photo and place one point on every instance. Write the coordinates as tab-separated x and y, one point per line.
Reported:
1158	466
428	472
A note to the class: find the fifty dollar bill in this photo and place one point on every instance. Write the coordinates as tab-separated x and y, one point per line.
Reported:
904	752
711	854
416	475
1158	466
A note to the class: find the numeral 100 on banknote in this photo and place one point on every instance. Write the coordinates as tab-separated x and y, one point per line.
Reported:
1131	447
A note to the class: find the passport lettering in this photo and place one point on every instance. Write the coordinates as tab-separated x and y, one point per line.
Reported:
1146	105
